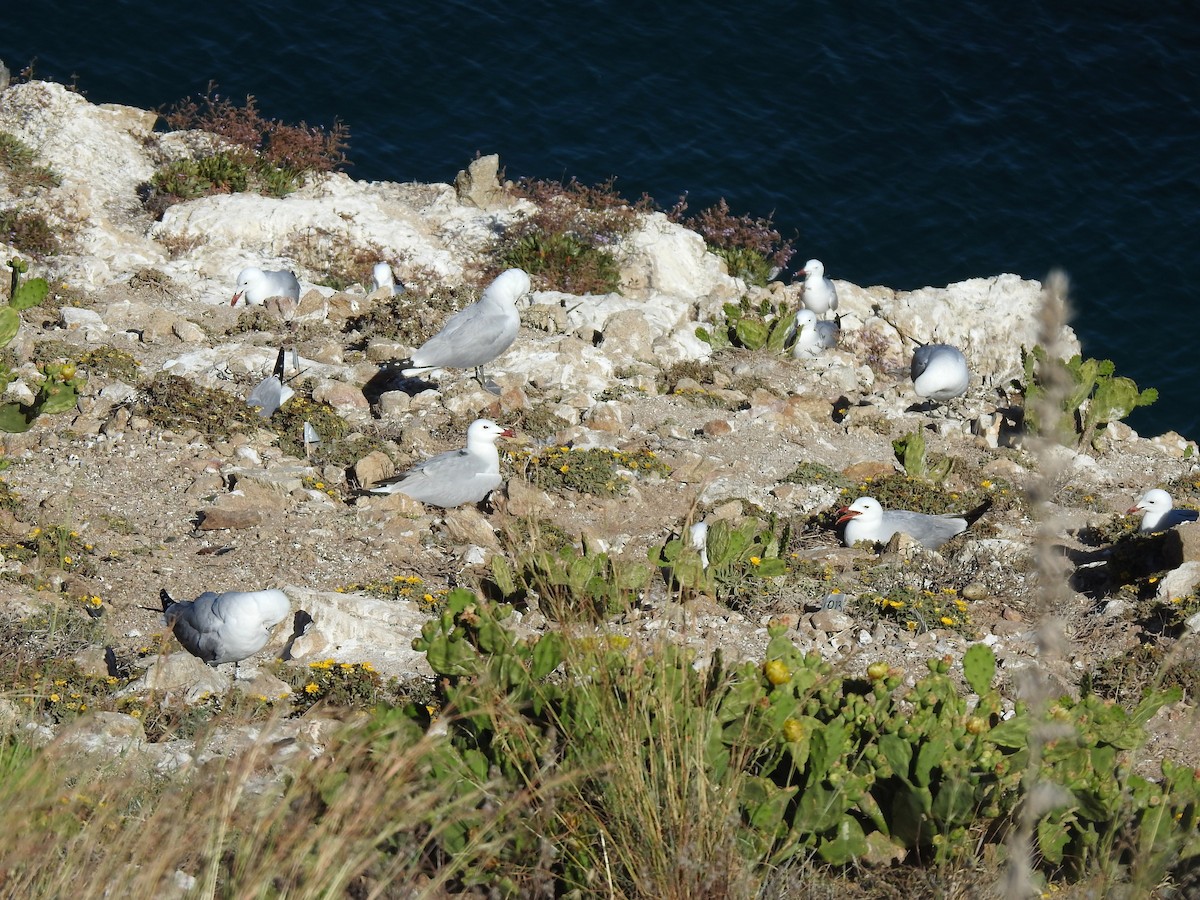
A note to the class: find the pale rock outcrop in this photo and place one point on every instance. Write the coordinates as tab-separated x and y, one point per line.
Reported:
99	152
358	628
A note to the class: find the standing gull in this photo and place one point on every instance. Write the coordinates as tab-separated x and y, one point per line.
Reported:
819	293
256	286
456	477
867	520
812	336
474	336
226	627
1159	512
939	372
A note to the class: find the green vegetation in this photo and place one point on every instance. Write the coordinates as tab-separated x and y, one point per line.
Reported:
262	155
568	243
910	452
25	229
605	473
58	390
1093	397
764	326
740	560
751	247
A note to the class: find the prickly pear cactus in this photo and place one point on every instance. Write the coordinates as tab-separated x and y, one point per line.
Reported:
59	389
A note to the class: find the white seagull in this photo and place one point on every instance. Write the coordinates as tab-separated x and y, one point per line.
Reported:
456	477
813	337
1159	512
867	520
382	277
226	627
698	540
474	336
819	293
256	286
939	372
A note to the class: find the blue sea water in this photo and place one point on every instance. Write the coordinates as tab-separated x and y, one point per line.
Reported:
904	144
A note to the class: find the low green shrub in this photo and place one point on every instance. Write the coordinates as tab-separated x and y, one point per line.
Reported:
751	247
1094	396
819	765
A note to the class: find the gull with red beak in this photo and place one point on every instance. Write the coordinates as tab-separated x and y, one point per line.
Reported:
1159	512
256	286
866	520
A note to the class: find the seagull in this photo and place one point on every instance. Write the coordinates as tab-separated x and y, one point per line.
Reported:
456	477
1159	512
866	520
939	372
256	286
382	277
474	336
819	293
225	627
698	541
271	393
813	336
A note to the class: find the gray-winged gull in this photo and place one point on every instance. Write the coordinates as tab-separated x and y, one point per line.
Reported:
866	520
256	286
1159	512
474	336
456	477
382	277
819	293
813	336
271	393
226	627
939	372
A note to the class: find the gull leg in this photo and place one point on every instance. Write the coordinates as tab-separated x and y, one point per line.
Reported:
490	386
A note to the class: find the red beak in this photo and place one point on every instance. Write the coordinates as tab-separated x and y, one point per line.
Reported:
845	514
1132	510
234	301
508	432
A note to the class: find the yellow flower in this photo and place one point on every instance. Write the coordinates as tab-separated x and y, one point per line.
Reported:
67	560
54	698
564	468
756	560
367	667
320	485
946	620
985	484
312	688
136	713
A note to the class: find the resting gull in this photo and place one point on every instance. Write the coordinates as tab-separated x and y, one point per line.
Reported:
474	336
813	337
456	477
819	293
939	372
1159	512
256	286
383	278
867	520
226	627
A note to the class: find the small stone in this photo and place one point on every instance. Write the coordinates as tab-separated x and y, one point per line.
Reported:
975	591
717	428
218	518
831	621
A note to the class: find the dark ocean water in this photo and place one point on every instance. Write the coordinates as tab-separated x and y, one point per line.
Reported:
905	144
